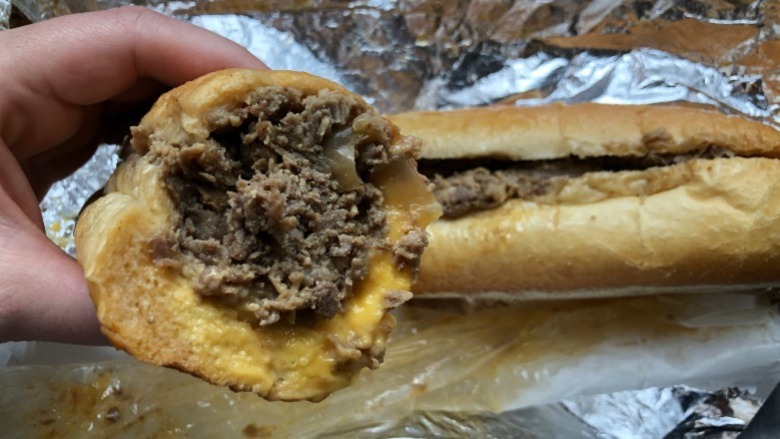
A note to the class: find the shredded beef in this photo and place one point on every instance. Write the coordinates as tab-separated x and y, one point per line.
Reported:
275	233
406	253
463	186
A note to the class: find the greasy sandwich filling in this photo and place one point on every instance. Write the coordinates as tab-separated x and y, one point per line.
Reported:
278	215
464	186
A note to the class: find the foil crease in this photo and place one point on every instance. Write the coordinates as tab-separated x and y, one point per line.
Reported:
433	54
5	14
678	412
65	198
37	10
423	54
641	76
451	46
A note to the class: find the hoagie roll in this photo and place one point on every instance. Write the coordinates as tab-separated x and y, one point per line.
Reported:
596	200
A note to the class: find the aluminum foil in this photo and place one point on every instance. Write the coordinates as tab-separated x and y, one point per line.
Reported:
641	76
678	412
65	199
5	14
407	54
426	54
41	9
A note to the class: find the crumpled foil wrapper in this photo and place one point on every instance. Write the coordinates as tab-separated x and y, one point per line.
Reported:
432	54
65	199
428	54
534	370
42	9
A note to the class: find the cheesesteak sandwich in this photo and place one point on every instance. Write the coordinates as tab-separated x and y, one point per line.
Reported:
597	200
256	234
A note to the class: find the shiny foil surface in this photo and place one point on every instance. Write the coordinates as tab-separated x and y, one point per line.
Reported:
437	54
5	14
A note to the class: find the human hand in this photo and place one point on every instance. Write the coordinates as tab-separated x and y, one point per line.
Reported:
60	79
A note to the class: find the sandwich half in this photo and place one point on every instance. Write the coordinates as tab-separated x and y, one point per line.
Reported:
259	229
595	200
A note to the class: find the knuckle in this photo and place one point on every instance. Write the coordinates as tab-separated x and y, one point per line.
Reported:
133	17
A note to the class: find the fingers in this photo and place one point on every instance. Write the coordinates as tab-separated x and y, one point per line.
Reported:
51	69
144	90
17	198
42	174
52	72
57	163
93	57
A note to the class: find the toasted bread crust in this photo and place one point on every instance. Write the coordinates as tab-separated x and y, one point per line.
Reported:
582	130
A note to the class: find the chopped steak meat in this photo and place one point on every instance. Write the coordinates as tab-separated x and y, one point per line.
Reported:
481	189
463	186
277	208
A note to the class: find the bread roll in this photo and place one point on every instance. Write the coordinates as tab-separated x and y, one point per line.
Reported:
595	200
257	233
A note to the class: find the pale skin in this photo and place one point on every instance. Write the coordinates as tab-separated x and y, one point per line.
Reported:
61	80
